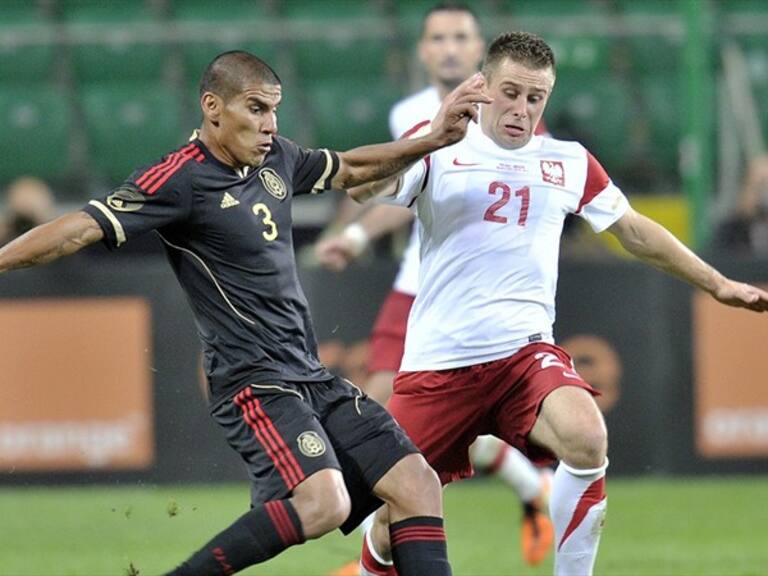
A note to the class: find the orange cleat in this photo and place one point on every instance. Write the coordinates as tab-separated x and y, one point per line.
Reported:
349	569
536	535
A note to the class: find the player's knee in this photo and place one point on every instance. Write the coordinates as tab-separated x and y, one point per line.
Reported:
324	510
417	490
587	449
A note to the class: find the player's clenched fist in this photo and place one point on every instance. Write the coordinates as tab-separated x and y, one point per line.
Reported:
458	108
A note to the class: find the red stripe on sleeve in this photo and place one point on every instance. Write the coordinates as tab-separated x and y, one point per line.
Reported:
597	180
150	172
415	129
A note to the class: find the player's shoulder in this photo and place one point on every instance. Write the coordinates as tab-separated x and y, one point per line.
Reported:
414	108
174	169
569	149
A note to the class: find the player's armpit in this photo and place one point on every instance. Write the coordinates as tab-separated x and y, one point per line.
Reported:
61	237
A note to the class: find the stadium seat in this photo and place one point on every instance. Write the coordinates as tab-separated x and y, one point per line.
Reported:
349	113
129	125
353	39
35	125
23	62
663	109
594	109
581	53
122	58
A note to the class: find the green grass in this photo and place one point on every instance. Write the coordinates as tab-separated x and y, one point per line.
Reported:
688	526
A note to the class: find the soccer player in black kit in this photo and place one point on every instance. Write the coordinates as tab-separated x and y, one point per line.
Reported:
320	454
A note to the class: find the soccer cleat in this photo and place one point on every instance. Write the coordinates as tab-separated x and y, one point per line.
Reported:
349	569
537	534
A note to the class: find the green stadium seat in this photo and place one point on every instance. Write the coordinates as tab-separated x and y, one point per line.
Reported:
595	109
21	20
130	125
122	58
349	113
581	53
35	125
663	109
235	11
410	15
552	8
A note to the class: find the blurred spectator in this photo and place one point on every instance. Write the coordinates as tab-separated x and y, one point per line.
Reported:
29	202
748	229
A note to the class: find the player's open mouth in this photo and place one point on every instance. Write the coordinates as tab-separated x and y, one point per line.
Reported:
513	130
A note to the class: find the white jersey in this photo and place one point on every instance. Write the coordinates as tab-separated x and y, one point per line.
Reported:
404	115
491	221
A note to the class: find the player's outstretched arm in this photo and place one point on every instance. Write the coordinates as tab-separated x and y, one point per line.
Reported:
338	250
47	242
380	161
652	243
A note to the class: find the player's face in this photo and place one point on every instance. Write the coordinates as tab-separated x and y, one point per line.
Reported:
519	96
451	47
247	123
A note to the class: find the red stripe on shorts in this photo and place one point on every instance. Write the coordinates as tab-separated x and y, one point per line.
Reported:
273	443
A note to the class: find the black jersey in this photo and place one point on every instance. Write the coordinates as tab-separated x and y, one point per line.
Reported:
228	237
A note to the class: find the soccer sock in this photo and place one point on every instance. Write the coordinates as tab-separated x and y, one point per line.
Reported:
418	547
496	457
371	562
256	536
577	506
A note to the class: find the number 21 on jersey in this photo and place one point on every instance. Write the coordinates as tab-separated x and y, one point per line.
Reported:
492	214
271	231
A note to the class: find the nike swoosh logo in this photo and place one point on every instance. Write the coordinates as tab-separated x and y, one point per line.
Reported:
457	163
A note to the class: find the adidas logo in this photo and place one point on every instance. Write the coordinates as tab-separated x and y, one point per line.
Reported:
228	201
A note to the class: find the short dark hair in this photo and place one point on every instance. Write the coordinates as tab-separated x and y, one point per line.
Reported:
228	73
523	47
449	7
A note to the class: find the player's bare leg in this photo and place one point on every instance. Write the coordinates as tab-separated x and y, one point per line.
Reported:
379	386
413	495
318	505
532	485
572	427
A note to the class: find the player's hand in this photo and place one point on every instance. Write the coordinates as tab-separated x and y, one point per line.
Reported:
336	252
741	295
458	108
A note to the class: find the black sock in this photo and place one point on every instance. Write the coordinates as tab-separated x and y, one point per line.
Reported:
418	547
262	533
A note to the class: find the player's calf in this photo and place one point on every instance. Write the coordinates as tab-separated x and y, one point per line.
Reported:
417	543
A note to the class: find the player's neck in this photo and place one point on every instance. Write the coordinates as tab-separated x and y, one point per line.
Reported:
218	151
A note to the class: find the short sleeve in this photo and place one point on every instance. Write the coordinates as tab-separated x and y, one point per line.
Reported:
602	202
313	170
410	185
142	203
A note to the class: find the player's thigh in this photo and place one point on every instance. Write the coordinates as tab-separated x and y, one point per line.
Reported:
367	441
531	416
278	436
571	426
379	386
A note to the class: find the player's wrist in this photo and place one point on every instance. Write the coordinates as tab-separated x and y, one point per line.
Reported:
357	236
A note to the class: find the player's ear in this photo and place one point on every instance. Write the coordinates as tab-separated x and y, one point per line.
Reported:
211	105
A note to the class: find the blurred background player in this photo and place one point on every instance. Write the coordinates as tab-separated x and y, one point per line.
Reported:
451	49
480	355
29	203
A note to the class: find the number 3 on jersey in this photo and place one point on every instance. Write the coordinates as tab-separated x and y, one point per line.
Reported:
271	232
506	193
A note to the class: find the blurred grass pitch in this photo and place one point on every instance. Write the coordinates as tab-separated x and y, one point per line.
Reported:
681	526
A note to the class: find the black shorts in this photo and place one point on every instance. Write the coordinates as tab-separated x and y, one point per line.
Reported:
285	432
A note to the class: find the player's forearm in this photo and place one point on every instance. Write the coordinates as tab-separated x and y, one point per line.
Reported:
382	219
61	237
386	187
381	161
656	245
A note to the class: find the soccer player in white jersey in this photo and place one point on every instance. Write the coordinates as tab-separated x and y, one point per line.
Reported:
479	354
451	49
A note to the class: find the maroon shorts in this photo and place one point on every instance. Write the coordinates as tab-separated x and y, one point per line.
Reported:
443	411
388	336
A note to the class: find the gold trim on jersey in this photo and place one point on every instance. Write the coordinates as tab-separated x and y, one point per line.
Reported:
318	186
119	230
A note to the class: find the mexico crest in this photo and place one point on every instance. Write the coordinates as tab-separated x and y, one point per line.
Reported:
310	444
273	183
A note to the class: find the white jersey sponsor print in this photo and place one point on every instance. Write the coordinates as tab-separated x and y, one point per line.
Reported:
491	221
